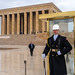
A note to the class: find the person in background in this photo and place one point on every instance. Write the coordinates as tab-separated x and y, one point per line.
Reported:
57	46
31	47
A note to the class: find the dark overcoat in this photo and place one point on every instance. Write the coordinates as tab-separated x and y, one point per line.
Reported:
57	62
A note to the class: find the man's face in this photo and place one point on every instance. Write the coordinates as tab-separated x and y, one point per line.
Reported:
55	31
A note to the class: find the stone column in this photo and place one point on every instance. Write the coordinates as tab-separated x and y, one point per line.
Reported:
43	23
31	17
3	25
25	23
18	23
37	22
22	23
74	38
50	10
8	23
13	24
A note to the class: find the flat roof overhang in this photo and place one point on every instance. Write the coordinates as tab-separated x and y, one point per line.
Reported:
60	15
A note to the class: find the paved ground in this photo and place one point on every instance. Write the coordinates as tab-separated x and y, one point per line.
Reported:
12	61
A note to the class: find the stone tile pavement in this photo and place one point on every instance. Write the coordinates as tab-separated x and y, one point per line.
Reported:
12	61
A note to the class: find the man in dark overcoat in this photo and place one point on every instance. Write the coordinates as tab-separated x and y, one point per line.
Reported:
57	46
31	47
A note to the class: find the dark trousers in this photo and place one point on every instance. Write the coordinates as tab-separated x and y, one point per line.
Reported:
31	52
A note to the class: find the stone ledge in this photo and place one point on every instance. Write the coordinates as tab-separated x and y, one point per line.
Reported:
6	37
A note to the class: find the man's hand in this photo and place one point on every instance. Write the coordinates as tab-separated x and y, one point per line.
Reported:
43	56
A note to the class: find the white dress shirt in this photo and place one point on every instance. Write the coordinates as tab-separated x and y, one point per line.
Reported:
55	37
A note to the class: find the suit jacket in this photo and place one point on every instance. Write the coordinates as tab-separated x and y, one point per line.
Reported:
32	45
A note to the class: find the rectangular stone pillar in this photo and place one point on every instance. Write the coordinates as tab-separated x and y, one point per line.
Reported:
22	23
3	25
8	23
37	22
25	23
18	23
74	40
13	24
50	10
31	17
43	22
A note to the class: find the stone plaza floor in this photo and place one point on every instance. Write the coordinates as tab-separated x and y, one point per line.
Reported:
12	59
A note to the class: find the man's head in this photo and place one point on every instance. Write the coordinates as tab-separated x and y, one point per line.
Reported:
56	29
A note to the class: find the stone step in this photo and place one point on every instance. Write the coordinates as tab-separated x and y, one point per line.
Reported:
4	37
22	40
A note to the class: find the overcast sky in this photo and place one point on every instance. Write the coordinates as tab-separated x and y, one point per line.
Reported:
63	5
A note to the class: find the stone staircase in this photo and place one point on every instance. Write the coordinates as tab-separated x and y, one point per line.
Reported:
39	39
21	40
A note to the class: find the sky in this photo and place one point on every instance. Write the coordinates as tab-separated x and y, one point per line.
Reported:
63	5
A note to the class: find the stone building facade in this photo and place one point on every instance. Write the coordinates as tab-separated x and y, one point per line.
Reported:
25	20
